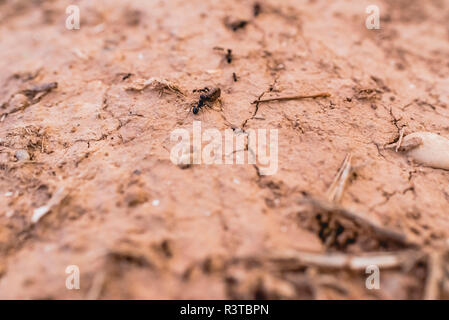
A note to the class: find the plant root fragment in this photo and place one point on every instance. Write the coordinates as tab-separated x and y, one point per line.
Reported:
401	136
434	276
288	98
383	260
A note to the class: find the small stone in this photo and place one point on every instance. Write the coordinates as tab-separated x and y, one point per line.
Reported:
155	203
135	198
22	155
184	165
184	161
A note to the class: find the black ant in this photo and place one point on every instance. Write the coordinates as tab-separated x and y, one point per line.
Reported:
208	96
228	54
235	25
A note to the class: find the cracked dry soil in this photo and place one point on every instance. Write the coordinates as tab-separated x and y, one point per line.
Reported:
140	227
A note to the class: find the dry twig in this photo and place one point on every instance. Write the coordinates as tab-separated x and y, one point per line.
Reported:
312	96
335	190
339	260
434	276
401	136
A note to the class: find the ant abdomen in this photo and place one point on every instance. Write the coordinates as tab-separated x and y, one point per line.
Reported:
213	95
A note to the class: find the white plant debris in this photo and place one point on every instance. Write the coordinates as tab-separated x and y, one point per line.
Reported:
427	148
154	83
336	189
57	197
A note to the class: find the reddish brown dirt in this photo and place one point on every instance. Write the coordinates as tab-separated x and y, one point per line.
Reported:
138	226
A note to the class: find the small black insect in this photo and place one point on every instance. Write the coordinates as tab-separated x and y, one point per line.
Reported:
235	25
228	56
126	76
234	76
210	96
196	109
256	9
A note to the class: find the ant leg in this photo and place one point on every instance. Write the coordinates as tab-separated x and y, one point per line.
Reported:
187	113
192	105
209	105
220	106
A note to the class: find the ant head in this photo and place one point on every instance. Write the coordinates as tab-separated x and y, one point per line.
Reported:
195	110
203	97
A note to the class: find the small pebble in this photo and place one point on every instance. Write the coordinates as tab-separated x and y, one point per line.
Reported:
8	194
155	203
22	155
236	181
183	161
